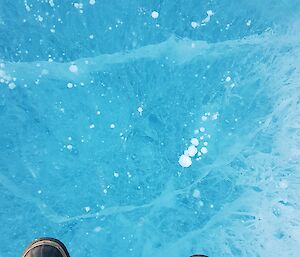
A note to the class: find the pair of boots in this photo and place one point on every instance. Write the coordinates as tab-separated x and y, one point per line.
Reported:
50	247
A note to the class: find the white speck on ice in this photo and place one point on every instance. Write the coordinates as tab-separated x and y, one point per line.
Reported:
78	5
91	36
112	126
105	191
40	18
69	85
73	68
140	110
185	161
207	19
215	116
196	193
192	150
205	143
196	131
92	2
283	184
195	141
154	14
40	191
69	147
51	3
97	229
202	129
204	150
98	112
204	118
210	13
87	209
116	174
195	24
69	138
248	23
92	126
11	85
228	79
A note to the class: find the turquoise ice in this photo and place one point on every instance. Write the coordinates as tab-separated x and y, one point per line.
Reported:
150	128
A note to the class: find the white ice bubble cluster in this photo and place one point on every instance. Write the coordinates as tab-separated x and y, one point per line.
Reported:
196	150
196	24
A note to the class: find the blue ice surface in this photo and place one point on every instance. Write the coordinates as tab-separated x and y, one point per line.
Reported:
91	156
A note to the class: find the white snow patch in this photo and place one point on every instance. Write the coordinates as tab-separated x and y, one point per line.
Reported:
87	209
116	174
69	147
92	126
202	129
92	2
112	126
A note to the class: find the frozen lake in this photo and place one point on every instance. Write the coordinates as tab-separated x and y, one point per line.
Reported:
150	128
